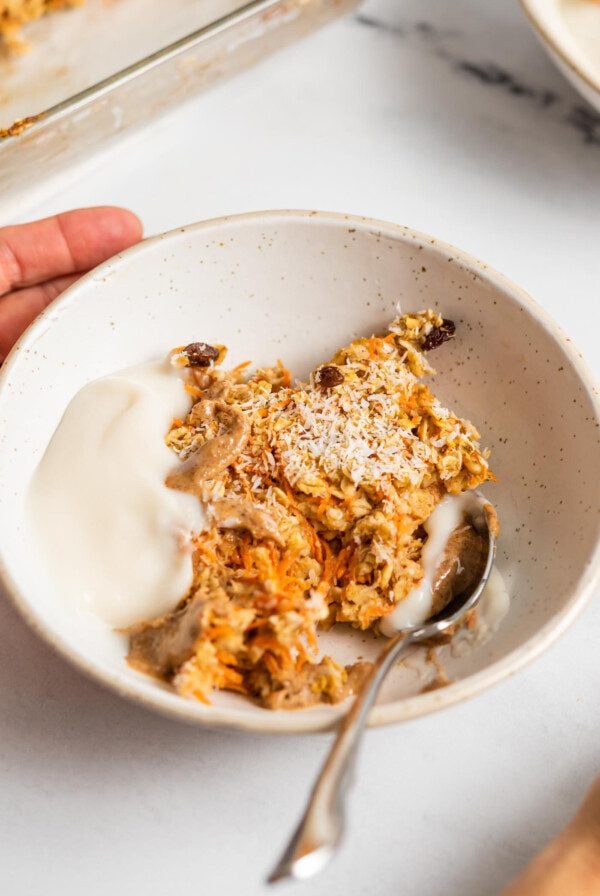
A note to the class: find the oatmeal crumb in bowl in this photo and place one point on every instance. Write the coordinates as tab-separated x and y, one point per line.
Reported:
315	499
16	13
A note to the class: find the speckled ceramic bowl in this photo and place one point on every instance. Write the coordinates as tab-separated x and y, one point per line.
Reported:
570	32
297	285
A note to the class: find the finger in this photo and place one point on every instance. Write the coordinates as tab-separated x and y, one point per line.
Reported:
64	244
19	308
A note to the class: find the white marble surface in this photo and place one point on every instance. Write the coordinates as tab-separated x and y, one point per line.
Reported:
447	117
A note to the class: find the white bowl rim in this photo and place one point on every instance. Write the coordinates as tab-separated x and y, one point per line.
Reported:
585	72
287	722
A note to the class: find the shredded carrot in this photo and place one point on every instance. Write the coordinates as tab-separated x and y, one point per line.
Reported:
227	658
221	630
194	391
195	691
271	663
286	378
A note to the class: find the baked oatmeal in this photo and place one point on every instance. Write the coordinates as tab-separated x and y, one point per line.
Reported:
316	494
16	13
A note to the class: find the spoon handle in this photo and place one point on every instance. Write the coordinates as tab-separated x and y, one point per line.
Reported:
321	826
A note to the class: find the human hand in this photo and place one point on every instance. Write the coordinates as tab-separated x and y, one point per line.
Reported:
39	260
570	864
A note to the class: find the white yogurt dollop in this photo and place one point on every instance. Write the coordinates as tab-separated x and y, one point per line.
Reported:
115	539
494	604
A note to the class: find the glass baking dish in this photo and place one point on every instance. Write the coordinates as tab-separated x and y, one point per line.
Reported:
95	72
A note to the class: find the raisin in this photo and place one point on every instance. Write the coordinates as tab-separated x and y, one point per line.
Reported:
200	354
439	335
328	377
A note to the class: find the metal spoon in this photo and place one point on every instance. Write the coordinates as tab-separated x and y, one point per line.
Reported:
320	830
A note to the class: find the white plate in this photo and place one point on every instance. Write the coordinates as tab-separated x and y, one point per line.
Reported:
297	285
570	32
